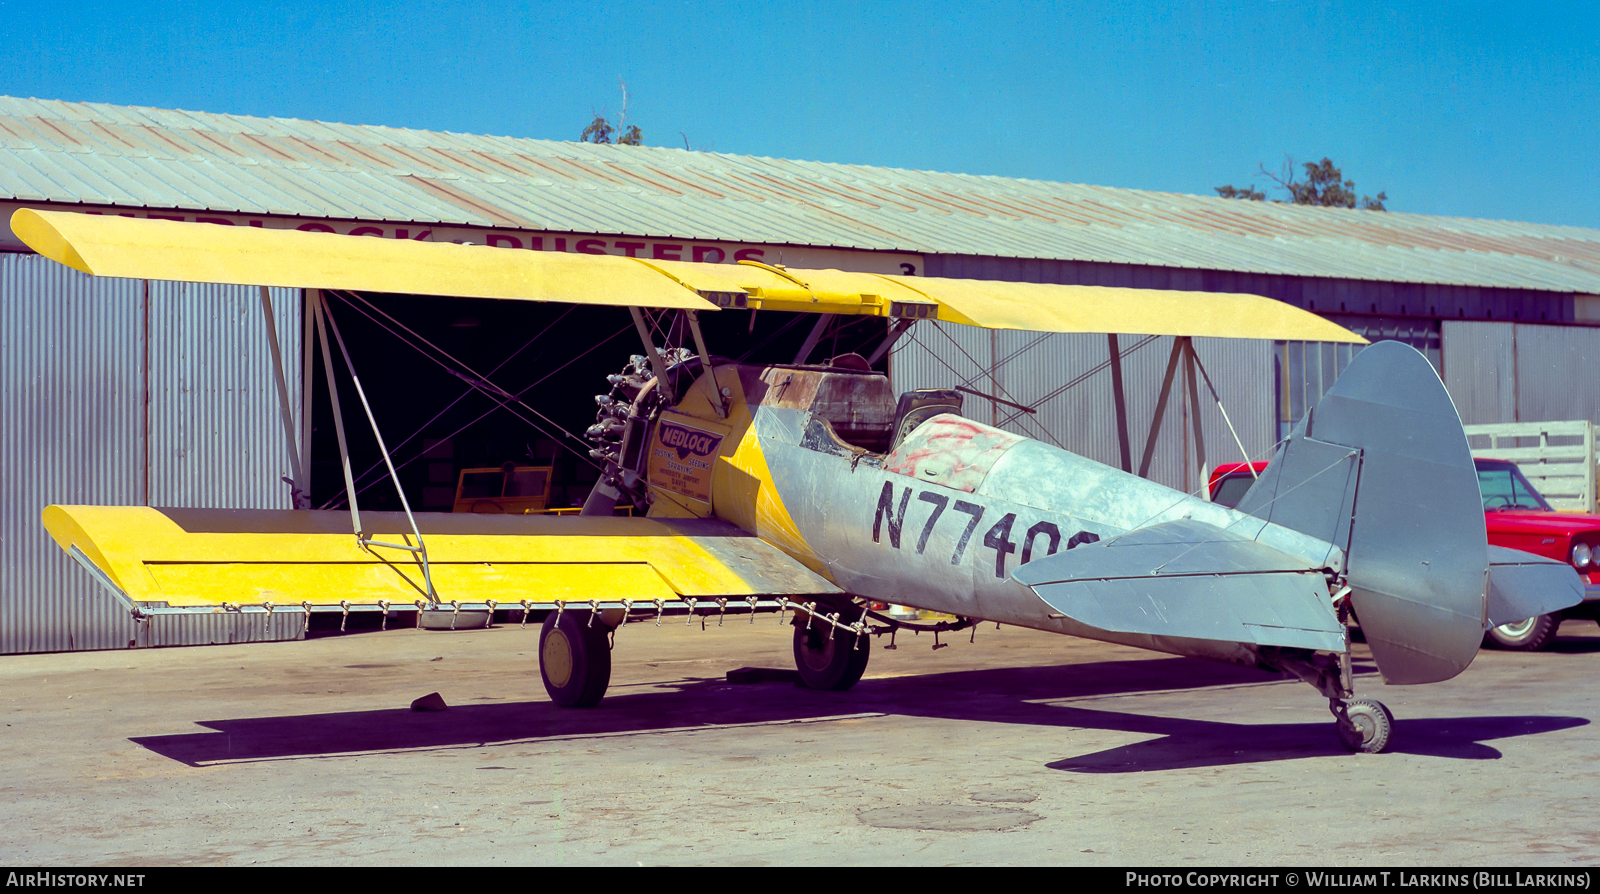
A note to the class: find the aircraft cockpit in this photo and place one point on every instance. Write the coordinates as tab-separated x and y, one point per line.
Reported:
853	408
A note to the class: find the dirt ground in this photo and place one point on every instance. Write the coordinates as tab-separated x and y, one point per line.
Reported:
1018	748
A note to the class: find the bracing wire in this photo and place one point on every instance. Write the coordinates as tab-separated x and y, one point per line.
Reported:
500	395
931	353
478	380
1084	376
503	398
420	429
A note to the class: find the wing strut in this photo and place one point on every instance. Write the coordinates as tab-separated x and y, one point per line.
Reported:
898	329
657	362
811	340
420	550
299	492
721	406
1182	349
1193	404
1120	395
1161	407
1226	421
314	299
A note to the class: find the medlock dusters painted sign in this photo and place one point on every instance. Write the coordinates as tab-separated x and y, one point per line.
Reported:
681	457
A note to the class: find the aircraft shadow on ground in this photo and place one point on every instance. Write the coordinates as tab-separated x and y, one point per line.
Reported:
1004	695
1187	743
1572	645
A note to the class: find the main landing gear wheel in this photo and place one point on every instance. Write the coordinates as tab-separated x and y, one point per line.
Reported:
1529	635
829	658
1365	726
574	659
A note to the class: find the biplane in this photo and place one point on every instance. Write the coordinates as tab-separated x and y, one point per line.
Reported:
817	489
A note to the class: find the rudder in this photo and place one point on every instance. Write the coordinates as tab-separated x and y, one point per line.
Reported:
1381	468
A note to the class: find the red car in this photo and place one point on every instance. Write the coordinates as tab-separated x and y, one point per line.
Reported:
1516	517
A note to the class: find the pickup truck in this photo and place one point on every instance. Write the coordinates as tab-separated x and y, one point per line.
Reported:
1517	517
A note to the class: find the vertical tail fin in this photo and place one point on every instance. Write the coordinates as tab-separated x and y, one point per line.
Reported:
1381	468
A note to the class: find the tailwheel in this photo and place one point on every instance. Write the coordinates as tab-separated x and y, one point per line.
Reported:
575	659
829	658
1365	726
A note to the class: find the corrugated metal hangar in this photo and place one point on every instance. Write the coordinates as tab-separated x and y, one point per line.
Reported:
161	393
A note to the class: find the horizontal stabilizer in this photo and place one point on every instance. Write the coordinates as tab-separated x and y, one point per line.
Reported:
1193	580
1523	585
1180	547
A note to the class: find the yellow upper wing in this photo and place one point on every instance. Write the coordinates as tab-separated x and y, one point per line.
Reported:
108	245
1045	307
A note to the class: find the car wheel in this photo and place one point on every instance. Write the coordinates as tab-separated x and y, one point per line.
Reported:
1529	635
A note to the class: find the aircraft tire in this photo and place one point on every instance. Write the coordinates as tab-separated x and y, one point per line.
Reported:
1366	727
574	659
1529	635
829	662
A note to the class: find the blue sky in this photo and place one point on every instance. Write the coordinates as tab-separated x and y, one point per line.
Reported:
1471	109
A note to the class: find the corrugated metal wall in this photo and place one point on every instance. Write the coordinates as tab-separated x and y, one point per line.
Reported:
1067	379
1307	369
78	353
1520	372
1555	367
216	435
1480	370
71	391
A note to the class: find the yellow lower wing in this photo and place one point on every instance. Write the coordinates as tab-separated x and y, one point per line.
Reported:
248	558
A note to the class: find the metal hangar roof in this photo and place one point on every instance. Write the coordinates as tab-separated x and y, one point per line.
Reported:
63	153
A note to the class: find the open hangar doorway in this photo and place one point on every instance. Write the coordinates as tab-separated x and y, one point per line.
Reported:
441	374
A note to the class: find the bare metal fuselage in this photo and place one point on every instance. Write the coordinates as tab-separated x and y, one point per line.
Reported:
887	527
